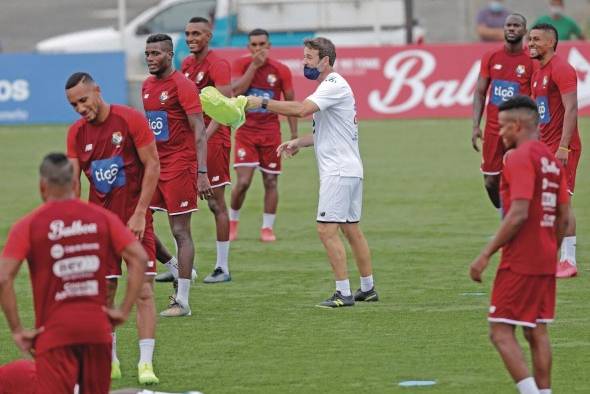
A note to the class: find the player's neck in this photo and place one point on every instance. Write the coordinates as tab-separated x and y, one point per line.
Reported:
199	56
325	73
103	112
527	136
513	47
546	59
57	193
165	74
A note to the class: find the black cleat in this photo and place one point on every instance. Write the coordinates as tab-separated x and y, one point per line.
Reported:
367	296
337	300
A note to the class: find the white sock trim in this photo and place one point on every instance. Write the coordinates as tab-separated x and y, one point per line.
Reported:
222	256
343	286
367	283
234	215
268	220
114	348
527	386
172	266
184	286
146	350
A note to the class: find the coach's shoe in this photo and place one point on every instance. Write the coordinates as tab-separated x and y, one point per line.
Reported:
176	310
165	277
367	296
267	235
565	269
116	370
337	300
233	230
146	375
217	276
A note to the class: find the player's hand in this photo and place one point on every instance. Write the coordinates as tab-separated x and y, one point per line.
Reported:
24	338
475	135
259	58
204	187
254	102
477	267
136	224
115	315
288	148
562	156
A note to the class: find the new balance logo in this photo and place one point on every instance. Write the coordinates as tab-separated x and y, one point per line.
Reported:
184	204
88	148
147	95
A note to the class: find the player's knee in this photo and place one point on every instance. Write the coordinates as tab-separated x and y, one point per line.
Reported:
270	183
491	182
498	337
242	185
325	231
147	293
181	235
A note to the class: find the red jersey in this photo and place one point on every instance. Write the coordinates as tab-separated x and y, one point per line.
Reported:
550	82
18	377
532	173
107	153
270	80
212	71
510	76
167	102
68	245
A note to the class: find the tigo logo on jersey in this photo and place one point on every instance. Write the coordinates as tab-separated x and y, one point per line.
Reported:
503	91
543	107
158	121
108	174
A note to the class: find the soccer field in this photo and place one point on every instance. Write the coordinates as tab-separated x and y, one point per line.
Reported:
426	216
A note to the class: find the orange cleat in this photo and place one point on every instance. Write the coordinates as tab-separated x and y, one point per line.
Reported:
565	269
267	235
233	230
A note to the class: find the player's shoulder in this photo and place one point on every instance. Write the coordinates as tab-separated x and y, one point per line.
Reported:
128	114
243	61
77	125
560	64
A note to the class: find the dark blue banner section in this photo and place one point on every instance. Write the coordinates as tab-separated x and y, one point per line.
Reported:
32	86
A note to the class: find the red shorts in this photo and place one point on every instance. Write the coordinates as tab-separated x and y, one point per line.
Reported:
18	377
493	151
218	164
177	195
254	149
522	300
59	369
149	244
573	158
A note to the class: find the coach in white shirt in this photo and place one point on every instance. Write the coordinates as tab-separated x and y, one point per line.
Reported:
335	138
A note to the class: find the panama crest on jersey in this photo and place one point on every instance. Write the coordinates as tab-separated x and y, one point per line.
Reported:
164	96
117	138
271	79
520	70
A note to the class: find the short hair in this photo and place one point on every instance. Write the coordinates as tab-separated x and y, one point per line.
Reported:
519	16
548	27
258	32
521	103
324	46
160	37
199	19
56	169
78	77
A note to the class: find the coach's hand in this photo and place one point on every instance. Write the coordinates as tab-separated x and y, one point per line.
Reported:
254	102
204	187
24	338
136	224
475	135
477	267
116	316
288	148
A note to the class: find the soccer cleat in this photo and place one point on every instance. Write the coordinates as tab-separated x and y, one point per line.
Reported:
565	269
146	375
165	277
176	310
233	230
116	370
267	235
367	296
336	301
217	276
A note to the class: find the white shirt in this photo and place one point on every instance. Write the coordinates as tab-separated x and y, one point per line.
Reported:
335	129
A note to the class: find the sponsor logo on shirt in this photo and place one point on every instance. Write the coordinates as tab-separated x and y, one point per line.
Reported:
88	148
59	230
78	289
265	93
549	166
502	91
158	121
271	79
108	174
543	107
57	251
163	96
117	138
76	267
520	70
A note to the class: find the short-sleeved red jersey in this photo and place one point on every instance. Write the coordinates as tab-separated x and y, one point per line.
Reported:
510	76
107	153
212	71
68	245
549	83
532	173
167	102
270	80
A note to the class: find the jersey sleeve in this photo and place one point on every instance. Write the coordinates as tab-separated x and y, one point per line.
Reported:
327	94
484	68
188	96
139	129
120	236
72	149
238	68
522	177
565	78
221	73
18	243
286	78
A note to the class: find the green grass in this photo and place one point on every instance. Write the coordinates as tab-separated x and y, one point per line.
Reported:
426	216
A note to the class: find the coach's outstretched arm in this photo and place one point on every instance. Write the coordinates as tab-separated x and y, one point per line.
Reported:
287	108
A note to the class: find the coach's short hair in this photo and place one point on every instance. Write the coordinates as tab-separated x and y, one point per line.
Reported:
258	32
78	77
199	19
548	27
160	37
324	46
56	169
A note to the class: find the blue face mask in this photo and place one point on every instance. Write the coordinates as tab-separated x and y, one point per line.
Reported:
311	72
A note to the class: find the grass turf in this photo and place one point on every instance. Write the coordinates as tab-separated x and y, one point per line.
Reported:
426	216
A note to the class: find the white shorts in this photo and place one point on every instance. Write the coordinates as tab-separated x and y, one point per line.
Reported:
341	199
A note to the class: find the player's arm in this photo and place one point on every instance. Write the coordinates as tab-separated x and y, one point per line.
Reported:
517	215
77	172
226	90
570	119
198	126
148	155
73	157
292	120
241	84
479	102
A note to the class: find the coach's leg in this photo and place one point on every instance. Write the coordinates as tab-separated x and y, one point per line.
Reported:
360	247
219	208
538	339
492	185
238	194
271	201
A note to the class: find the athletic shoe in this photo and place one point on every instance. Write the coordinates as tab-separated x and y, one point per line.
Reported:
217	276
146	375
565	269
337	300
165	277
116	370
176	310
233	230
367	296
267	235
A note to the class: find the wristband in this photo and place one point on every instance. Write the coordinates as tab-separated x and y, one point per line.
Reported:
564	148
264	103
